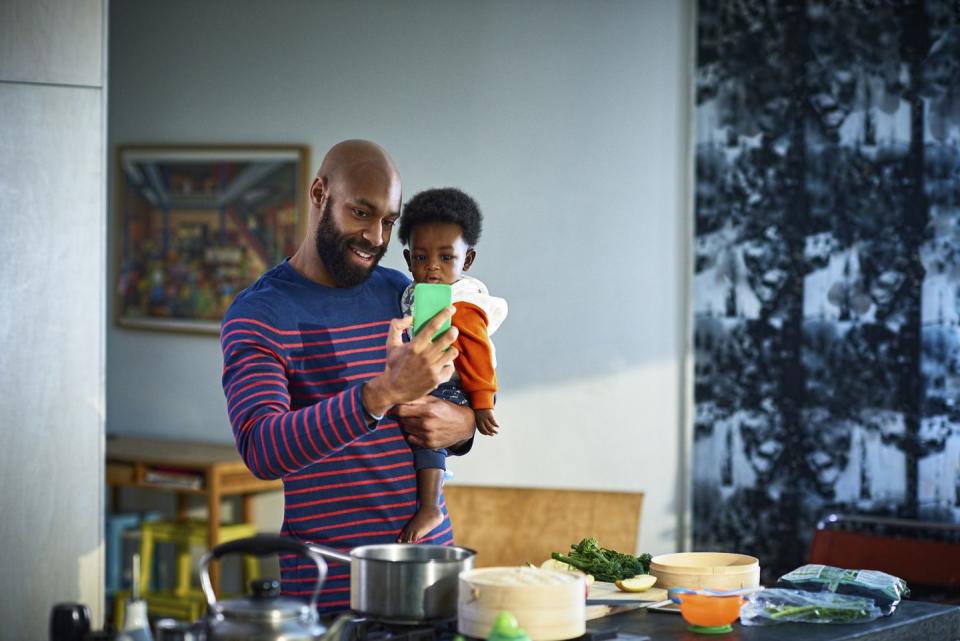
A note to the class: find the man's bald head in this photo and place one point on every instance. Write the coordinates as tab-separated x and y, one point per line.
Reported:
347	157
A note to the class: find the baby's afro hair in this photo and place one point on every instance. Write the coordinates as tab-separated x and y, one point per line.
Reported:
444	205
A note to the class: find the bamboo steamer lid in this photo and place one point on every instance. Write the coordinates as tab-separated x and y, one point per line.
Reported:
706	571
549	605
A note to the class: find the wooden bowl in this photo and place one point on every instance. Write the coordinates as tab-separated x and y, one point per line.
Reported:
548	604
706	571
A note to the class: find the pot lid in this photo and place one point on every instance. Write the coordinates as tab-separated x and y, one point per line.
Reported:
264	604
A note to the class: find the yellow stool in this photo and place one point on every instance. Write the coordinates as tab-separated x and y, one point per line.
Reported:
186	534
184	601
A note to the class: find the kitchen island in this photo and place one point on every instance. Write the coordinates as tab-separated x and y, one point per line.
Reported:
912	621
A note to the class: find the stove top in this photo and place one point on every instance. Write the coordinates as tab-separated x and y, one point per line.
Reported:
366	629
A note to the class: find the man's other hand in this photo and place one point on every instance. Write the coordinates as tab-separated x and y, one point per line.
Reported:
434	423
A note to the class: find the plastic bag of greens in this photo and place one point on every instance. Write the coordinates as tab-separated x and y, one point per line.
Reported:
885	589
779	605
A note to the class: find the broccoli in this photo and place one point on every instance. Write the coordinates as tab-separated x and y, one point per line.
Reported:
603	564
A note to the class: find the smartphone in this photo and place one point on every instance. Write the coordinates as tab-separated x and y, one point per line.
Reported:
428	299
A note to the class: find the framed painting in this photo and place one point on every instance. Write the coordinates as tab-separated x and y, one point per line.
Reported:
198	224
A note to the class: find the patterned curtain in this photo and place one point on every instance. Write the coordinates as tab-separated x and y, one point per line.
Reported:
827	275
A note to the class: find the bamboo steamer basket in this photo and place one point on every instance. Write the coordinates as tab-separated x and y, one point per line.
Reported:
548	604
706	571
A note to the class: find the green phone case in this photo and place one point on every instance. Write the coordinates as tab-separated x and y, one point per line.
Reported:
428	299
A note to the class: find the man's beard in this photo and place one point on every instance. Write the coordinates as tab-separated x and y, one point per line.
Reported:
333	245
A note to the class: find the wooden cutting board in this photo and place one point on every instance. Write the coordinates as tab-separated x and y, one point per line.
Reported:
593	612
602	593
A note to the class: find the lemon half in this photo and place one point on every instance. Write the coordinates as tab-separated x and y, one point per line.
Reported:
639	583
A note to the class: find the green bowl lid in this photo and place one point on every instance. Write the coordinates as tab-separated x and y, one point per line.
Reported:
710	629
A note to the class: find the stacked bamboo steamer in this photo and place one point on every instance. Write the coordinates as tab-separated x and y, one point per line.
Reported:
549	605
706	571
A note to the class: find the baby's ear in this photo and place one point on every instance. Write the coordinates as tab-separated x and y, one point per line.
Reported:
406	257
468	259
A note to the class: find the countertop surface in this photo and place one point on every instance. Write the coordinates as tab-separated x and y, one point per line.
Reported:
912	621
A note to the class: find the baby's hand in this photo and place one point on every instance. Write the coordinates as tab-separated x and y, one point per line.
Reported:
486	422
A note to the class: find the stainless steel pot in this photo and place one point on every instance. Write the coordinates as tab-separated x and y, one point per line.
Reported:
404	582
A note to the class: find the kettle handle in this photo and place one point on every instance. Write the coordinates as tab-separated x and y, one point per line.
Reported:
261	545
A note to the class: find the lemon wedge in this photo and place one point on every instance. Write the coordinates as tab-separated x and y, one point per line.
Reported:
639	583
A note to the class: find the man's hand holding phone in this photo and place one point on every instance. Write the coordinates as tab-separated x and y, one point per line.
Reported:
412	369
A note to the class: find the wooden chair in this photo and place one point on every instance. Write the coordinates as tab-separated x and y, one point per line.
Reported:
510	526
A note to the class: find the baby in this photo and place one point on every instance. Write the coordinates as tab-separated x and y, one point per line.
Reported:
440	229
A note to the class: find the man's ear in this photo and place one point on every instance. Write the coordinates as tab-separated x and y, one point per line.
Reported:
468	260
318	190
406	257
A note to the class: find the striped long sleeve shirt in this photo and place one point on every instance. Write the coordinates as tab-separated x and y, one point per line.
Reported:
295	354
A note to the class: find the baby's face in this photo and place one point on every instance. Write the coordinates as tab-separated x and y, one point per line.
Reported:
438	253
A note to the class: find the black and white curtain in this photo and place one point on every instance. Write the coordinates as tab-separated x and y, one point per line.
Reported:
827	276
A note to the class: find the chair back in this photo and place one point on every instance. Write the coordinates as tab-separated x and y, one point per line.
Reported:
510	526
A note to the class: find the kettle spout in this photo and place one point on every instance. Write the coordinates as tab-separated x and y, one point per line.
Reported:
338	629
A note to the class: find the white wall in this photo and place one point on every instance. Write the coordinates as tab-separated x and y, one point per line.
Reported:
52	257
566	120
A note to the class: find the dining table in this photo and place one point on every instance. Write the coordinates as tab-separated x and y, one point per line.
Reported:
911	621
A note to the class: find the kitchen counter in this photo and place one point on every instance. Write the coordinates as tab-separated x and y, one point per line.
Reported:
912	621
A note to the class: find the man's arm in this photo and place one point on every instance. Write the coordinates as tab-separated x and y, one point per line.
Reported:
273	440
434	423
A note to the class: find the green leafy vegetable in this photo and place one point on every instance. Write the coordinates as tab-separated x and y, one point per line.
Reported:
604	564
810	612
885	589
780	605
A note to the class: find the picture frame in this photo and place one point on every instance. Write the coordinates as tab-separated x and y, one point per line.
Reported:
196	224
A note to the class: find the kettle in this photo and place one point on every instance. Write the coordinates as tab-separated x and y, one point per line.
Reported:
263	615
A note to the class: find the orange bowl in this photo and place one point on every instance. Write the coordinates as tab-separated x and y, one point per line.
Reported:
709	611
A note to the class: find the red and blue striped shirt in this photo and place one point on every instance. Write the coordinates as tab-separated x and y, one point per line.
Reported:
295	354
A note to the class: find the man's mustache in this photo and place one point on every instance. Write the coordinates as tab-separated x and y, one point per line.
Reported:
367	247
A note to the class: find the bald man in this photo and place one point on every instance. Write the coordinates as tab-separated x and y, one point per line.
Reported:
314	361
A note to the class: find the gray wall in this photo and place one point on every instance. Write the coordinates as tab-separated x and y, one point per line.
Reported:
566	120
52	257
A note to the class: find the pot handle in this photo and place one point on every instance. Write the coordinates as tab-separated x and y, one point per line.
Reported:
330	553
261	545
